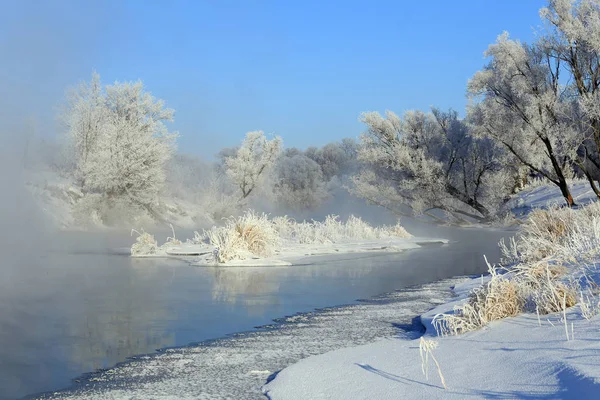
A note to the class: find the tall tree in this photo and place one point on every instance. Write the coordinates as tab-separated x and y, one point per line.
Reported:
573	37
120	141
522	105
428	161
248	165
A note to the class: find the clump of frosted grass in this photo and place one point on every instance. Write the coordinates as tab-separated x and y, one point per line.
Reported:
332	230
172	240
242	237
558	233
426	347
589	303
144	245
552	256
255	235
499	298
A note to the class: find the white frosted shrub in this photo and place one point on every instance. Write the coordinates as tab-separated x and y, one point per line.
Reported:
244	236
255	235
332	230
144	245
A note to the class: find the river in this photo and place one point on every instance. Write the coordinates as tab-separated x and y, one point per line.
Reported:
79	303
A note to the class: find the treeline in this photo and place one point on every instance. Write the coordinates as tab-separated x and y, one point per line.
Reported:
534	110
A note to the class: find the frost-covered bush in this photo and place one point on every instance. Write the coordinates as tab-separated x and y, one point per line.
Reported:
332	230
144	245
569	235
249	235
540	288
552	259
499	298
254	235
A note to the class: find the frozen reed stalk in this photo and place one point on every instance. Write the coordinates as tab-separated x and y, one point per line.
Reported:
425	350
173	240
565	315
572	331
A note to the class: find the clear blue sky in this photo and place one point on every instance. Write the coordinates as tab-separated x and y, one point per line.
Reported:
303	70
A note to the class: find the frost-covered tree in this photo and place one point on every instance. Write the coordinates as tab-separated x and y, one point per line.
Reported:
120	141
250	164
84	116
335	159
428	161
523	106
298	182
573	38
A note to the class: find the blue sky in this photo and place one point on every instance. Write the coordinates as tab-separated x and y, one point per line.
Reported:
303	70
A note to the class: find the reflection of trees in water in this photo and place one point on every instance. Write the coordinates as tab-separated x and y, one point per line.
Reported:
251	286
351	266
125	321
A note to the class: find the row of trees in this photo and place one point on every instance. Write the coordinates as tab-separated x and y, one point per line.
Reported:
535	109
122	156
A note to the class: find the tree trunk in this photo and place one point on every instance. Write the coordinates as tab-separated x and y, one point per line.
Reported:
474	204
562	181
592	183
564	189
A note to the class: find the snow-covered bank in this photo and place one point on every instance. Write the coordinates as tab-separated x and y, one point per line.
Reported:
256	240
531	332
202	255
514	358
237	367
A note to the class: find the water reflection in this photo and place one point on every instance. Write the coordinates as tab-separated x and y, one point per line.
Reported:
65	312
252	286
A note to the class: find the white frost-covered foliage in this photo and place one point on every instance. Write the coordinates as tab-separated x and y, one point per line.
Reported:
249	165
298	183
255	235
120	142
202	184
144	245
428	161
249	235
332	230
524	108
335	159
568	235
573	38
551	265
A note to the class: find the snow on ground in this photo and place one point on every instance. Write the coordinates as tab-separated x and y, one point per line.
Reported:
201	254
237	367
520	357
545	195
513	358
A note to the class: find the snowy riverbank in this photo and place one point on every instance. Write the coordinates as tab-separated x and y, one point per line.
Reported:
287	255
513	358
519	354
257	240
236	367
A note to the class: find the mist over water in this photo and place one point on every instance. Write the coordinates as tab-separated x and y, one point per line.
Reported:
73	302
79	303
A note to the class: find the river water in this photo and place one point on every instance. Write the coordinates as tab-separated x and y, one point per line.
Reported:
79	303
